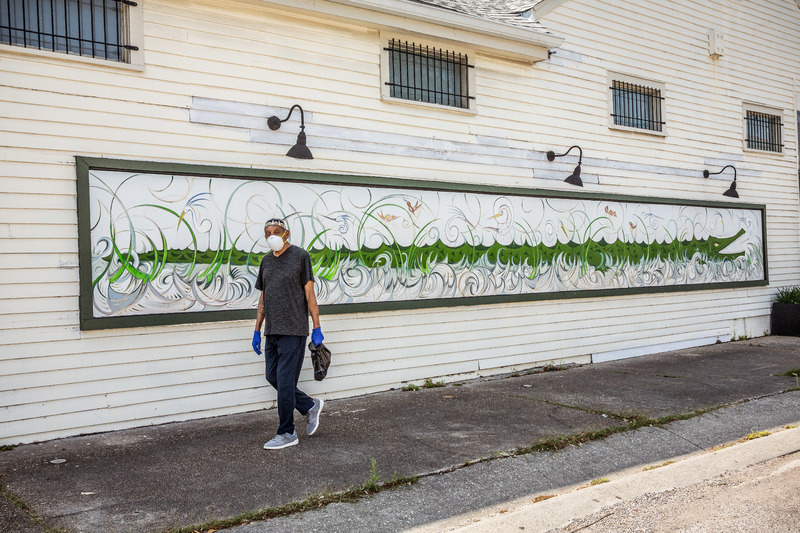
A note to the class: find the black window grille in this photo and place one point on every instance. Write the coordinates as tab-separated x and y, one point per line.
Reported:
637	106
427	74
763	131
95	28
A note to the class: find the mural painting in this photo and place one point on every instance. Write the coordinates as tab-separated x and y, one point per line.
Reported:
170	243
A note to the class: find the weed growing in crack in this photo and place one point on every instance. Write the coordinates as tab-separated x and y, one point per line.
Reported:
755	435
793	373
648	468
374	476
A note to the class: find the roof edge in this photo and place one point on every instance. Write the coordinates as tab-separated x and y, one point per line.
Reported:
498	38
546	6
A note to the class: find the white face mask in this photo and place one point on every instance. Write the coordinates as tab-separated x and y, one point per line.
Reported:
275	242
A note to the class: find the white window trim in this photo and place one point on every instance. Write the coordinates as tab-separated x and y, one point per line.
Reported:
627	78
759	108
135	24
385	37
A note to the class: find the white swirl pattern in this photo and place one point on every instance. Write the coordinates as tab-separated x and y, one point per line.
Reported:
134	214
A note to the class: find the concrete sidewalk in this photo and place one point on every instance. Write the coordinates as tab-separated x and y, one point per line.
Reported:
177	475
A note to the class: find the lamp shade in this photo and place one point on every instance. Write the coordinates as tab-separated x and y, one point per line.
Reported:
731	191
575	177
300	150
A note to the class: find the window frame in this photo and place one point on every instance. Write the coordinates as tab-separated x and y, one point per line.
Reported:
133	23
650	83
767	110
385	74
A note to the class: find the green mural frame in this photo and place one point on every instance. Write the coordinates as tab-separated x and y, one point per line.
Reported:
89	322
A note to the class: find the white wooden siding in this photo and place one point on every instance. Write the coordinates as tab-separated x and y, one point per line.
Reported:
214	69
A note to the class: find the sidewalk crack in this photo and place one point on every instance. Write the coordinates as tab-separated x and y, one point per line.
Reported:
590	410
666	428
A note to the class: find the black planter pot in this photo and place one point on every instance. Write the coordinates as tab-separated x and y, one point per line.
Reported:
785	319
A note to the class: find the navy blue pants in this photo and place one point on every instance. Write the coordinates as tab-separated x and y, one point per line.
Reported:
284	355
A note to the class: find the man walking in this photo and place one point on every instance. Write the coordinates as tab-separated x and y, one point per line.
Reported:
286	282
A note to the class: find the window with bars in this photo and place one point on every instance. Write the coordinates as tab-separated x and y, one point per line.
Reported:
636	106
94	28
763	131
428	74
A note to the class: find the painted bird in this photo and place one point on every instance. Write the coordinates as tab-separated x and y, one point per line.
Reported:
387	218
195	201
413	208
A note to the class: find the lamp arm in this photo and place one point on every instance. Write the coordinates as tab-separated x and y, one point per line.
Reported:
580	154
729	166
275	123
706	173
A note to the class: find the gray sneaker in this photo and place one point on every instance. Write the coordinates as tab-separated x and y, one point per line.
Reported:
313	416
283	440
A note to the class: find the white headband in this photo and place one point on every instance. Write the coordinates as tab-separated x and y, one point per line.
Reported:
277	222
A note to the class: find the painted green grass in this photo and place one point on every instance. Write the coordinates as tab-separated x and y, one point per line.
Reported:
600	255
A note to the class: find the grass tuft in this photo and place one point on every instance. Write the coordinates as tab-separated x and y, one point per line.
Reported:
750	436
793	373
755	435
648	468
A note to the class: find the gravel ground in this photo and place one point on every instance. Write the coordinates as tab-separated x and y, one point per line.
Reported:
763	497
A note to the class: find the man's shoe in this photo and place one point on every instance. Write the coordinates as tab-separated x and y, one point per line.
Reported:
313	416
283	440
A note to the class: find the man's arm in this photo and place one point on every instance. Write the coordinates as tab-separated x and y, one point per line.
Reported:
260	314
311	299
259	322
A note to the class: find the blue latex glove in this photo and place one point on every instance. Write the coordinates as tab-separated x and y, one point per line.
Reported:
257	342
316	336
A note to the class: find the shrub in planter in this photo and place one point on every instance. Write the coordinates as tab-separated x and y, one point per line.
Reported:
785	319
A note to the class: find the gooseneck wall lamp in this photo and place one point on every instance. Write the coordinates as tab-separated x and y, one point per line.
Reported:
732	190
299	150
575	177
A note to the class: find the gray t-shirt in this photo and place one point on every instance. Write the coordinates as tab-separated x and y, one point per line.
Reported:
283	280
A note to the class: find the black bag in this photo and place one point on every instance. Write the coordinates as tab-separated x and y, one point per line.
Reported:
321	359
